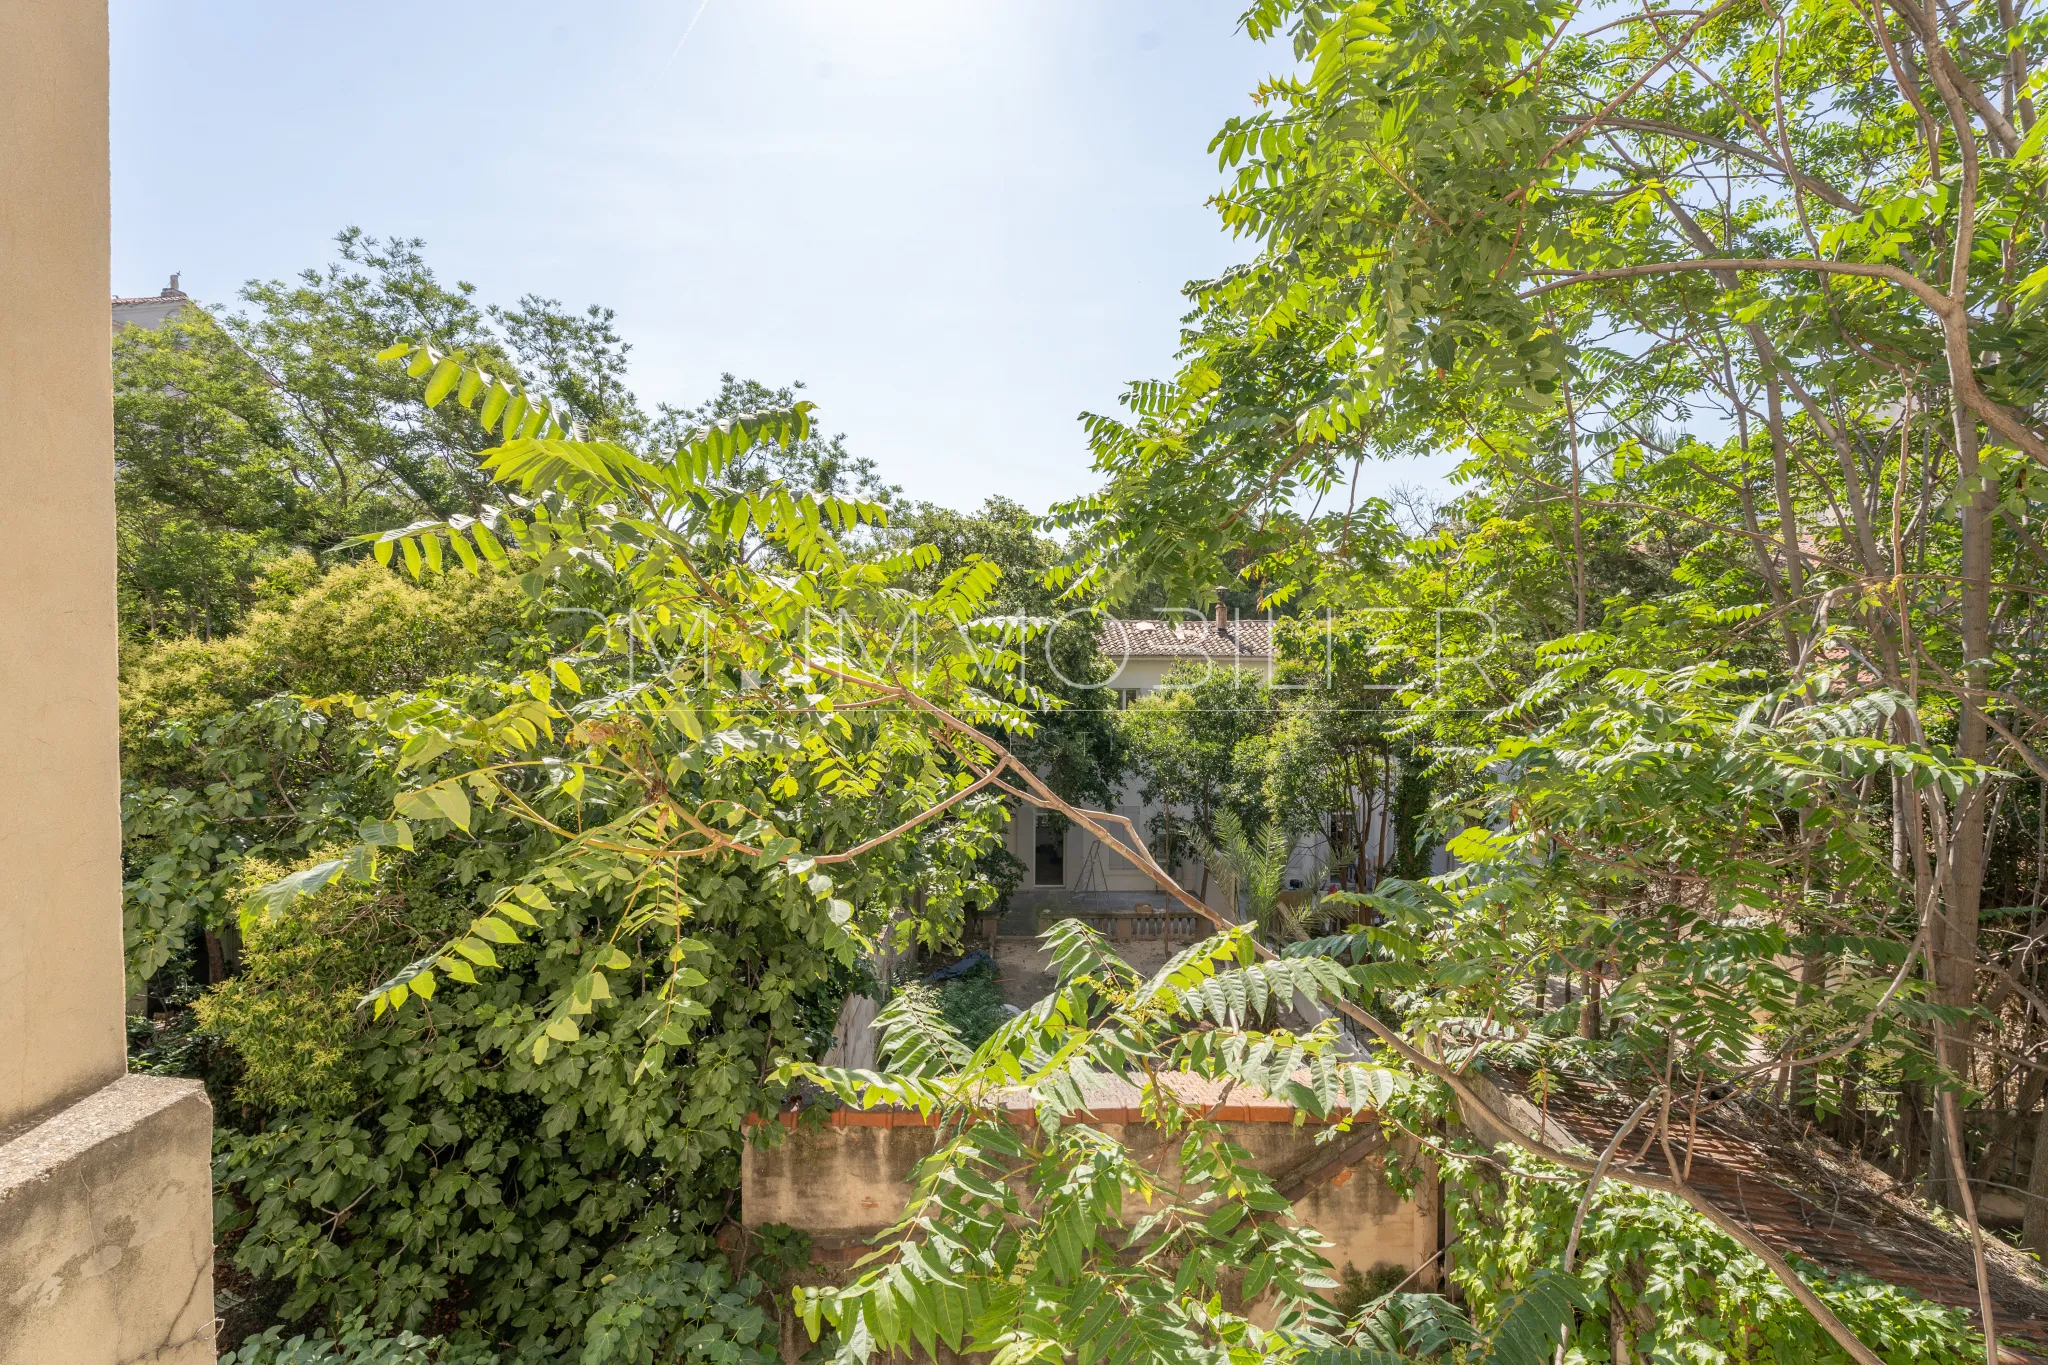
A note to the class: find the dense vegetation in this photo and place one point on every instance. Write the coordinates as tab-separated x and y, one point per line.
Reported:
557	803
493	1167
1723	659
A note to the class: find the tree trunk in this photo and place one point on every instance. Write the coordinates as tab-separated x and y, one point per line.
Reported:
1848	1122
1589	1012
1805	1080
1955	940
1386	816
2034	1231
1617	1329
1167	861
216	958
1912	1129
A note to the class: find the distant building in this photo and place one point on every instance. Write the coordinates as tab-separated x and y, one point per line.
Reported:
1067	870
151	309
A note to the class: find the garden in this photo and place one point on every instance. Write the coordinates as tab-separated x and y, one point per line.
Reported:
520	776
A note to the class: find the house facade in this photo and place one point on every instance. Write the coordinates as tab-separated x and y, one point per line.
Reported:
1068	871
150	310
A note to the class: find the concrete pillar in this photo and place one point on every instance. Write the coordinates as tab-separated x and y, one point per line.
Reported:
105	1197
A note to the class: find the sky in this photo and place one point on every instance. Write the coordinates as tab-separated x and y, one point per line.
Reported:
960	223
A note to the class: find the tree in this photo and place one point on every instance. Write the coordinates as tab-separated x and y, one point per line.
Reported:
815	463
1074	742
1736	316
1015	1241
1197	741
589	902
241	440
222	763
207	484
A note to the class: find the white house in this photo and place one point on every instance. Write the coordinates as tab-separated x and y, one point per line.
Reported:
1068	870
150	310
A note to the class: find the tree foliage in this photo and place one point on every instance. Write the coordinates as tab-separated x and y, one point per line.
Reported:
1016	1241
1734	315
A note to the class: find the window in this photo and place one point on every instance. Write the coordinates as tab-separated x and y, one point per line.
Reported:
1049	858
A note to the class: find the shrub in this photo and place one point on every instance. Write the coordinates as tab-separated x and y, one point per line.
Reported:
359	628
290	1015
973	1005
357	1343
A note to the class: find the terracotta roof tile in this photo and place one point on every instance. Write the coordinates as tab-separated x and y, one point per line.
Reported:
1186	639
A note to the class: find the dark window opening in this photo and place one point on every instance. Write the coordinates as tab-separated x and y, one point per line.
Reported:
1050	858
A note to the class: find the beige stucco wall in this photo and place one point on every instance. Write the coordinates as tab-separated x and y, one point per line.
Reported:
60	924
844	1184
106	1231
106	1219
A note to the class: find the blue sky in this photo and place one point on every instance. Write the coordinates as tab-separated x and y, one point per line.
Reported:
960	222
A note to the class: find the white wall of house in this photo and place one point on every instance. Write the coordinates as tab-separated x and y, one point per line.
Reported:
1085	868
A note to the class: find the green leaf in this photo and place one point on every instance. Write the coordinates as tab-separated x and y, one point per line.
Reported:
445	800
393	833
495	929
275	897
445	376
1532	1319
2030	145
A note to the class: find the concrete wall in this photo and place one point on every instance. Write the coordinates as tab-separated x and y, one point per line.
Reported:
105	1203
106	1230
60	839
846	1182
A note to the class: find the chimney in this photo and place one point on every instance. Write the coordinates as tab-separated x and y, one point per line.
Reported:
1222	610
172	291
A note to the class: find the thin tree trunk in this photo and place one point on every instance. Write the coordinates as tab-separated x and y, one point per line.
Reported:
1848	1123
1805	1081
1912	1130
1961	885
1578	514
1386	813
2034	1231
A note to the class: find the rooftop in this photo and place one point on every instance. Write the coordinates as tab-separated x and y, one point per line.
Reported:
1186	638
149	310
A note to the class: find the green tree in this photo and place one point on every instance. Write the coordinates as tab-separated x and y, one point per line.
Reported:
585	904
221	764
1015	1241
1198	741
1074	742
1735	315
241	439
208	486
